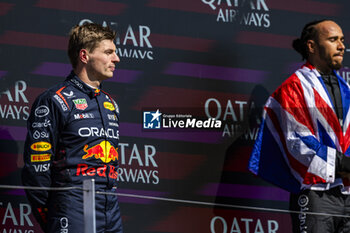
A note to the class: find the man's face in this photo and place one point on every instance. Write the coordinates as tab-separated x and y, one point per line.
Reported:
329	48
102	60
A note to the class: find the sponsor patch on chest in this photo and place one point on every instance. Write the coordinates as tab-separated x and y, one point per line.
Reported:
80	104
109	106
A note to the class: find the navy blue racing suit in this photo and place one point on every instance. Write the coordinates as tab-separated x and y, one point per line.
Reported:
72	136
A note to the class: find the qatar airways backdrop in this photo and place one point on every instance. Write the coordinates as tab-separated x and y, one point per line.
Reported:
180	60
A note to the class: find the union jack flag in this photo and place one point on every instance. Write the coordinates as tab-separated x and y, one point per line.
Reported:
300	134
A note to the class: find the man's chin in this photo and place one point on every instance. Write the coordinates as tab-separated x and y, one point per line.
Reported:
108	76
337	66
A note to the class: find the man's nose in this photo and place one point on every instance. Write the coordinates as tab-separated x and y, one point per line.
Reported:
115	58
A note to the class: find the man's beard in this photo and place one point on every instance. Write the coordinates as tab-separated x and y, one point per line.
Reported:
334	65
331	63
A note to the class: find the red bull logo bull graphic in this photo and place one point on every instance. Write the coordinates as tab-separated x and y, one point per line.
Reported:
104	151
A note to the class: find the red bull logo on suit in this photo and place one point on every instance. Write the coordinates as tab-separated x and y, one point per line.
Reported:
85	170
104	151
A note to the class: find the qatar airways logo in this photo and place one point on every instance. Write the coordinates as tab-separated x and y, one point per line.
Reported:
138	164
15	217
219	224
234	115
253	13
132	41
14	104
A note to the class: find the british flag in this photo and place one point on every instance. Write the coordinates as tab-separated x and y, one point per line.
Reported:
300	134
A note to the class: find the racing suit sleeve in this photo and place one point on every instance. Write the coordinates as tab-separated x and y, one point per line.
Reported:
39	151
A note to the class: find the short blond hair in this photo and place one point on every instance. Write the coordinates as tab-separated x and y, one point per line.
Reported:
86	36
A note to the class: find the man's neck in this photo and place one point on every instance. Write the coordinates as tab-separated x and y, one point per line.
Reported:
327	72
83	75
320	67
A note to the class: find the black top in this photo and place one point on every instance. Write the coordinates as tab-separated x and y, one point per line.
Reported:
332	85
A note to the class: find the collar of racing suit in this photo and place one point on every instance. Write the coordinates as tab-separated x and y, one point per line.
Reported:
76	81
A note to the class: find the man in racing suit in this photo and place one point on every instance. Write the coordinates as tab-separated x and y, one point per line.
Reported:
73	135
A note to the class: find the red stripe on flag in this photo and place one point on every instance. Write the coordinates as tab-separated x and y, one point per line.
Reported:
312	179
34	40
346	139
89	6
330	117
308	178
289	96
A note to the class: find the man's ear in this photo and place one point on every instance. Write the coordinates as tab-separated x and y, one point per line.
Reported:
83	56
310	45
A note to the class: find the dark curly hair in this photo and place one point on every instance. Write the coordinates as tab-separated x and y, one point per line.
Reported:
309	33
